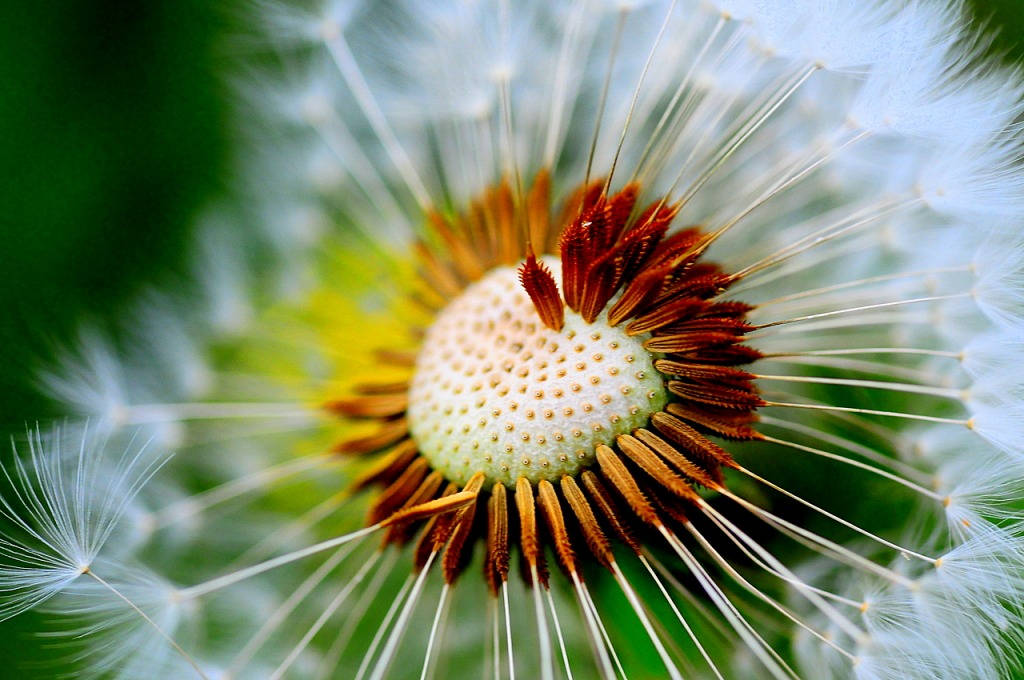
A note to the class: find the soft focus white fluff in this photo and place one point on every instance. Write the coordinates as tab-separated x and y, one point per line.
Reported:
62	503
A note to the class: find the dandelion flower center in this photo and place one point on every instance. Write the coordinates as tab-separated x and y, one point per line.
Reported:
555	384
497	391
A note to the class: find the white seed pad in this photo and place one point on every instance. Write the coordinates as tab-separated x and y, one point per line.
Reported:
497	391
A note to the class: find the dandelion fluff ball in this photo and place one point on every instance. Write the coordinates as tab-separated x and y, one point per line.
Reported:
576	339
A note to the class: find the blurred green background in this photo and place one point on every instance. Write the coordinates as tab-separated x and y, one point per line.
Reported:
114	131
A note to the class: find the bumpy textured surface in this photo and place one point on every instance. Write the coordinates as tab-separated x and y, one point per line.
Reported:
495	390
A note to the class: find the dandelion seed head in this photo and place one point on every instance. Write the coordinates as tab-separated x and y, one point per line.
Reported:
496	390
698	319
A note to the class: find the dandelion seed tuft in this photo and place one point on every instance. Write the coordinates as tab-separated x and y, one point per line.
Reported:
684	323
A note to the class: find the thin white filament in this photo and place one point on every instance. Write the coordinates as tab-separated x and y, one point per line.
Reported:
598	634
286	608
355	617
893	290
257	569
560	91
325	616
144	414
865	308
259	480
145	617
858	322
679	616
505	97
870	412
848	556
868	350
363	172
670	110
387	656
750	128
759	594
636	92
641	614
282	535
558	633
697	605
794	580
783	184
861	218
818	292
680	120
944	392
547	670
495	647
508	630
346	63
778	568
384	625
897	372
435	626
917	488
612	54
761	649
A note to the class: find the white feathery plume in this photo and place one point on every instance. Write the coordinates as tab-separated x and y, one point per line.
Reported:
1000	269
87	377
119	627
62	505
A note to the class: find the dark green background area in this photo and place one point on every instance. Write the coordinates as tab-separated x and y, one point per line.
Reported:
114	131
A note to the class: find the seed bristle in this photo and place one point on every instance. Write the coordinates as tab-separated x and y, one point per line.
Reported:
395	496
600	283
539	284
653	465
686	343
573	249
395	357
464	259
615	472
400	534
435	273
715	394
708	454
456	555
497	560
435	508
378	388
595	538
426	546
728	424
666	314
616	519
692	471
391	432
551	510
388	467
529	539
372	406
538	210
